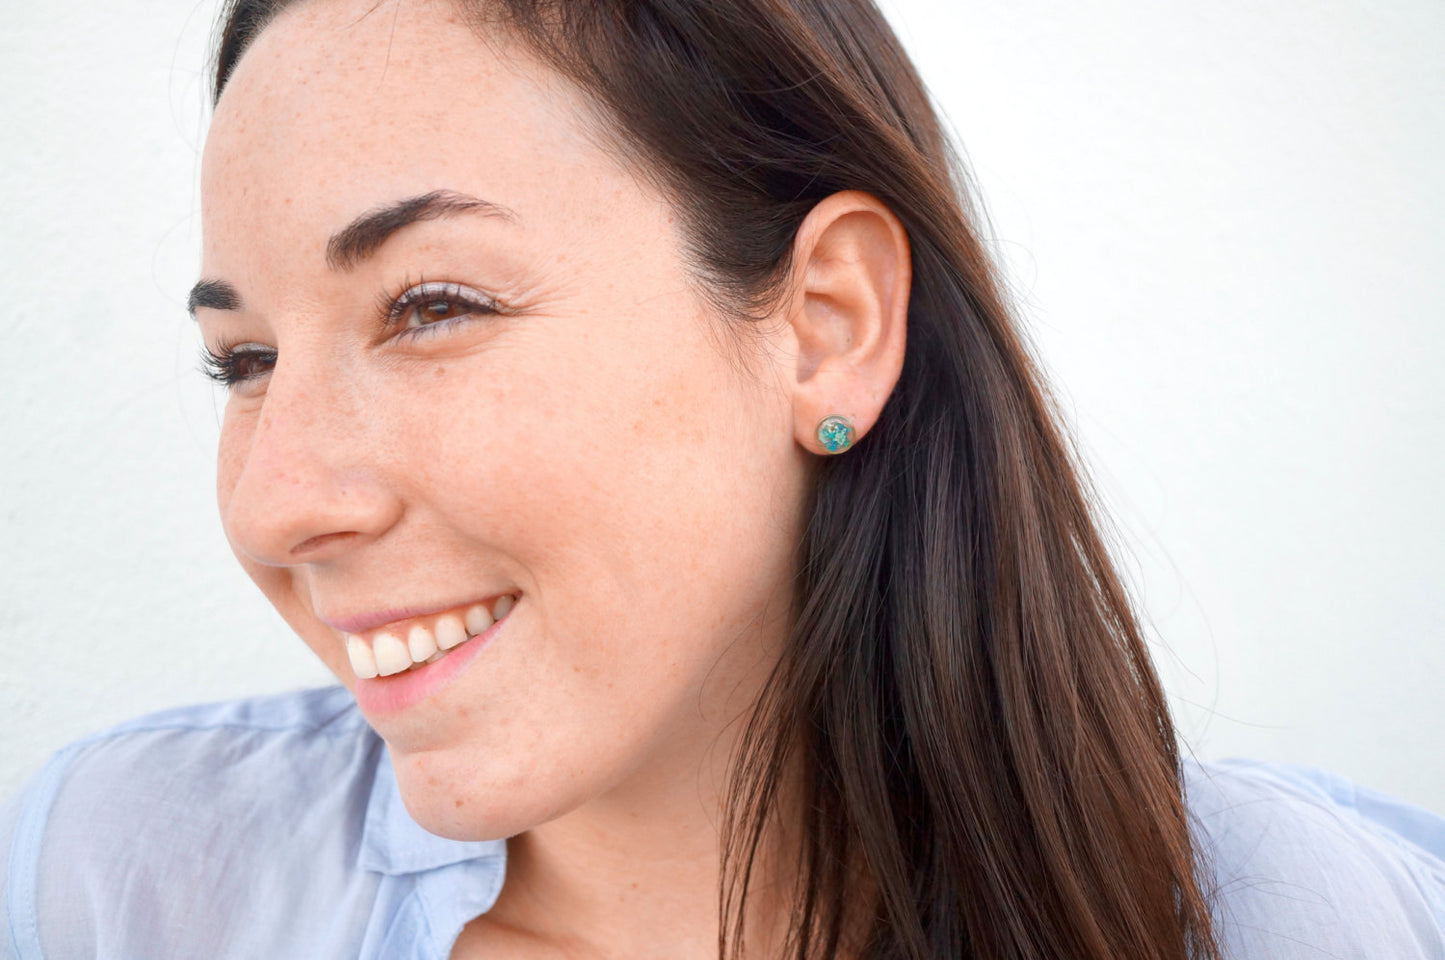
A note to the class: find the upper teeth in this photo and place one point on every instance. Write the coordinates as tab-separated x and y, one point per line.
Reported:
420	643
450	631
387	653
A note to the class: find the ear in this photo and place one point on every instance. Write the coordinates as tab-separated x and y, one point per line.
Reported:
847	313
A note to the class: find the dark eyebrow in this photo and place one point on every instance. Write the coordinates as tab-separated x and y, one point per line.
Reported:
361	238
216	294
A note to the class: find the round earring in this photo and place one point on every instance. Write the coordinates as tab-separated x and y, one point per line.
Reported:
836	433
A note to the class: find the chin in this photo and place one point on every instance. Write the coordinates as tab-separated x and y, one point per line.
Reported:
451	795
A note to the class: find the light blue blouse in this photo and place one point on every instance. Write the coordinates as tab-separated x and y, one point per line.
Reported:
272	828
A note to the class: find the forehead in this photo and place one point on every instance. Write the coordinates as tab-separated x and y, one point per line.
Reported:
339	105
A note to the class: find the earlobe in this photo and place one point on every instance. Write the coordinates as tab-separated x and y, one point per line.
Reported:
848	314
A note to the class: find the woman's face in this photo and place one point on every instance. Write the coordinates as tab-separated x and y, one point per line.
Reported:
473	365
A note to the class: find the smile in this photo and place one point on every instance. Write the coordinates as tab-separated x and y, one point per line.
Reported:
400	646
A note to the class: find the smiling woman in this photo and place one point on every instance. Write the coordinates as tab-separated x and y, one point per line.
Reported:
622	407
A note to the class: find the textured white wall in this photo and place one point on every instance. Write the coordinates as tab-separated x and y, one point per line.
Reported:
1223	224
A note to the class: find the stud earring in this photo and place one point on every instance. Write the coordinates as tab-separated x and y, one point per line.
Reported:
836	433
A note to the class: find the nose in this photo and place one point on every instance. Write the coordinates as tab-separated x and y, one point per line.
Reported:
295	480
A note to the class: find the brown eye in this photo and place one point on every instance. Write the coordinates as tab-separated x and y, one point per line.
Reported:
433	310
437	306
232	365
248	365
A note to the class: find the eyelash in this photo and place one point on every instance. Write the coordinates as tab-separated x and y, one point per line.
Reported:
226	362
394	308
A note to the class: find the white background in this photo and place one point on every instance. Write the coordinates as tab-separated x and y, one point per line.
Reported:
1225	227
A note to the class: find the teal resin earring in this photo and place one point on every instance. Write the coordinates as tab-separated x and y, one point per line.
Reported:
836	433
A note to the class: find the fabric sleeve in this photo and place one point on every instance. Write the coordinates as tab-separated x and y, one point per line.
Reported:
1309	866
22	838
229	831
9	813
222	842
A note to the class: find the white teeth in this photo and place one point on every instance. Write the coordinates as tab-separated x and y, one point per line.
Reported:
363	664
450	632
478	619
392	655
420	643
388	654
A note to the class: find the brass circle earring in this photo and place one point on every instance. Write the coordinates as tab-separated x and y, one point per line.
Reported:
836	433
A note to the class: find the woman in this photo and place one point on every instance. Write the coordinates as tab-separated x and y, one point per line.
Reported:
623	409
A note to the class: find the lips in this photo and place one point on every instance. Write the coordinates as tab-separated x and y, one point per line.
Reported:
382	696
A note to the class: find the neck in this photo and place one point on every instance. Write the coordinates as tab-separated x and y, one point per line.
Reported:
636	873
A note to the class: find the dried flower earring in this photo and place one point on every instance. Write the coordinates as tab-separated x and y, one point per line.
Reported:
836	433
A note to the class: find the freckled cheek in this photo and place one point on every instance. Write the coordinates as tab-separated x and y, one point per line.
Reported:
238	427
230	462
274	582
328	650
593	447
228	469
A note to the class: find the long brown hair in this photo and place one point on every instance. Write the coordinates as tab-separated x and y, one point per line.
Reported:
988	759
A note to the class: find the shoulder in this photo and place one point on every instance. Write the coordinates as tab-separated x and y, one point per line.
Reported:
1307	865
259	755
175	820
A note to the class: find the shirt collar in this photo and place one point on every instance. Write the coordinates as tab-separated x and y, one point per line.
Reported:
393	843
